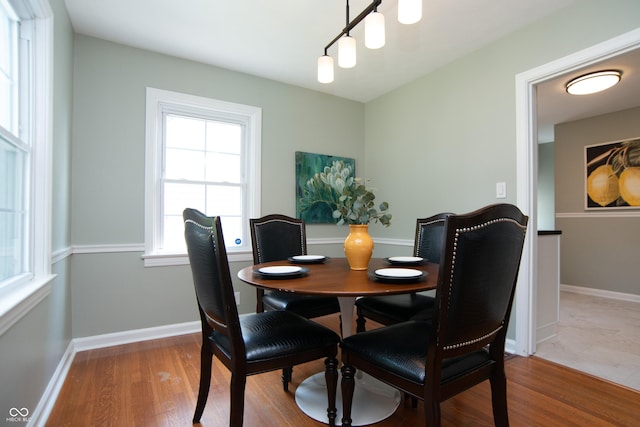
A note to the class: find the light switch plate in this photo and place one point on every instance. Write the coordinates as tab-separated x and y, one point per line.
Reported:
501	190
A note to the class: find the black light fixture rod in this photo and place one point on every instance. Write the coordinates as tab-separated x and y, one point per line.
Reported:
350	25
346	19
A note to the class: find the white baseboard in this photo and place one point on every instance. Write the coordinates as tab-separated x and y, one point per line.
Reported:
47	401
510	346
126	337
546	332
600	293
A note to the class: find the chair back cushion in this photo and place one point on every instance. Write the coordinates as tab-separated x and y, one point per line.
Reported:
210	270
277	237
477	277
429	237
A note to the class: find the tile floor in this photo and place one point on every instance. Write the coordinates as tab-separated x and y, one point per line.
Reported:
600	336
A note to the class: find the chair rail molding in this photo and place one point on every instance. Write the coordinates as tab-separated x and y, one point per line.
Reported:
599	214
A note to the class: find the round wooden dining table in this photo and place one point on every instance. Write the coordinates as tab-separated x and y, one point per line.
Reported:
333	277
373	401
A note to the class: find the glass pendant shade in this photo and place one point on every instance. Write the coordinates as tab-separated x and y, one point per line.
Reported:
347	52
325	69
409	11
374	30
593	83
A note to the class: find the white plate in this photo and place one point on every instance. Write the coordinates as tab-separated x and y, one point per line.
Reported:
405	259
308	258
398	273
280	269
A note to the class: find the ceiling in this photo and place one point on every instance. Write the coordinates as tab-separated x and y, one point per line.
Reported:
556	106
282	39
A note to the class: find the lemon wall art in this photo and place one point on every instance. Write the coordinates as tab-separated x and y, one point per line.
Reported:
612	175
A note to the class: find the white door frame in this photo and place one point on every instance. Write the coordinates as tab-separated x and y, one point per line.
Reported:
527	170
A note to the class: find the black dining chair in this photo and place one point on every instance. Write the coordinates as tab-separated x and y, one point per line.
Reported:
278	237
250	344
391	309
463	343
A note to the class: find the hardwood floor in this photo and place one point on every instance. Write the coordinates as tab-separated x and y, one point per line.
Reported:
154	383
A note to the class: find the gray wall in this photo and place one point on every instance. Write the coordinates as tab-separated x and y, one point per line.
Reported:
599	249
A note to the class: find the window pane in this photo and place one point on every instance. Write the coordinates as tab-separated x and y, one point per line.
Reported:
223	201
5	102
223	168
178	196
8	71
224	137
184	132
184	164
12	210
233	231
174	234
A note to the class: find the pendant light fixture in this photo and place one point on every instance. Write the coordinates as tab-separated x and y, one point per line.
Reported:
347	51
374	37
409	12
325	69
593	82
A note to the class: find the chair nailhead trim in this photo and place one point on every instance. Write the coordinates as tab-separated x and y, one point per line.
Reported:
204	227
473	341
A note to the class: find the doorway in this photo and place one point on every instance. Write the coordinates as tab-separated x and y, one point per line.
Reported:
527	168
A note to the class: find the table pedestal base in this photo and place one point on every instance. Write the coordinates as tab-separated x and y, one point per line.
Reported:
373	401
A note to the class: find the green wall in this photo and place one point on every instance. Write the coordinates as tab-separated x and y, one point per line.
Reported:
108	174
441	142
546	189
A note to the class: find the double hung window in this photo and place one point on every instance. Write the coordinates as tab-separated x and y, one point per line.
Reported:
203	154
25	152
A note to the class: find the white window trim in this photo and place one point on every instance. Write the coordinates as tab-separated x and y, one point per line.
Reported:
153	169
19	297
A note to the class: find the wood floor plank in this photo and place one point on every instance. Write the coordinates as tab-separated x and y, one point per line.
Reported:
155	383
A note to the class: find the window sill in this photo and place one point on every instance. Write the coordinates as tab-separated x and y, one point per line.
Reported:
165	260
16	301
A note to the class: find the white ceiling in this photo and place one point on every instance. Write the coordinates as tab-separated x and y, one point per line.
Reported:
282	39
556	106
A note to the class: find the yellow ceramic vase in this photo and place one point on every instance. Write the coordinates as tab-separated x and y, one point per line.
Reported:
358	246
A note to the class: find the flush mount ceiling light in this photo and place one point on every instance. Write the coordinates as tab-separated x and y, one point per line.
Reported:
409	12
593	82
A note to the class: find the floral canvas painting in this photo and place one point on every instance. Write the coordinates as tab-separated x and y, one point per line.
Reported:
307	166
612	175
